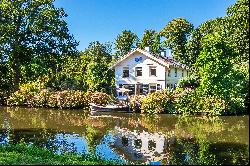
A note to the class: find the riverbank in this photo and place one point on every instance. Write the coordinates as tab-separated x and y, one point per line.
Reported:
22	154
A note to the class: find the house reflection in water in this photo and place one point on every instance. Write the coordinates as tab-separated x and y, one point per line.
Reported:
142	146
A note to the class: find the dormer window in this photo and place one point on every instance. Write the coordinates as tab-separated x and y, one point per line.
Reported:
138	71
125	72
152	71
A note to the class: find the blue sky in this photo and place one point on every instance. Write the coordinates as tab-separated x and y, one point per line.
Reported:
103	20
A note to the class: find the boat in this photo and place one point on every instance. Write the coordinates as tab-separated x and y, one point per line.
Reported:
109	107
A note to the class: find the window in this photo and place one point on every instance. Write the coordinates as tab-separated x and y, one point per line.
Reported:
120	93
152	88
182	74
152	71
125	72
169	73
138	71
151	145
175	70
124	141
138	143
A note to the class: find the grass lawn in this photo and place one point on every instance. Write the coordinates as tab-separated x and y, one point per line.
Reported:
22	154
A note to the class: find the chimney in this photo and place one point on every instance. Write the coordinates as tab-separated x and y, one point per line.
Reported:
163	53
148	49
169	53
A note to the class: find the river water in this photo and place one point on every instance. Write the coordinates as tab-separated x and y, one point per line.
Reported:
160	139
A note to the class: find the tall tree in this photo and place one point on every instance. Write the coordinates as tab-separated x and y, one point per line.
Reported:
151	39
125	42
98	75
194	43
33	29
238	28
176	34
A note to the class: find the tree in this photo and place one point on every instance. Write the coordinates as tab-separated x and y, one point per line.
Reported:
238	28
151	39
33	29
98	76
194	43
176	34
219	76
125	42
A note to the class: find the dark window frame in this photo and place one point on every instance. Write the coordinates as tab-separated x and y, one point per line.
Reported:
150	71
125	75
136	71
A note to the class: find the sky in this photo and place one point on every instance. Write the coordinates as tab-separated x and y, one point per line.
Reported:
103	20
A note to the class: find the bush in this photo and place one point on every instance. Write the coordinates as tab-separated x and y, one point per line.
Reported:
99	98
40	99
25	93
71	99
191	81
135	102
34	94
158	102
191	101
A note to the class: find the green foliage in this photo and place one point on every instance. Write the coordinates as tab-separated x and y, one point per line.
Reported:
219	75
151	39
87	72
191	81
34	94
176	35
135	102
33	29
99	98
98	76
22	154
237	24
67	99
25	92
157	102
189	102
124	43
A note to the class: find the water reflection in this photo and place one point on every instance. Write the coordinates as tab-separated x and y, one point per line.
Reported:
167	139
136	145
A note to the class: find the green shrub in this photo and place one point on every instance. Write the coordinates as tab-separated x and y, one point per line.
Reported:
135	102
191	81
99	98
191	101
71	99
40	99
25	93
158	102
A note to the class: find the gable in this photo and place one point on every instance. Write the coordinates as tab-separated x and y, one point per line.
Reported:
136	54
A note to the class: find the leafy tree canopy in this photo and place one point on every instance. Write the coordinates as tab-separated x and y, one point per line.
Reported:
125	42
176	34
31	29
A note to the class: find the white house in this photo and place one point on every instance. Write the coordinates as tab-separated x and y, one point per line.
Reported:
139	145
144	72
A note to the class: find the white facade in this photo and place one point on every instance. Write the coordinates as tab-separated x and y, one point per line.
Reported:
154	73
142	146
